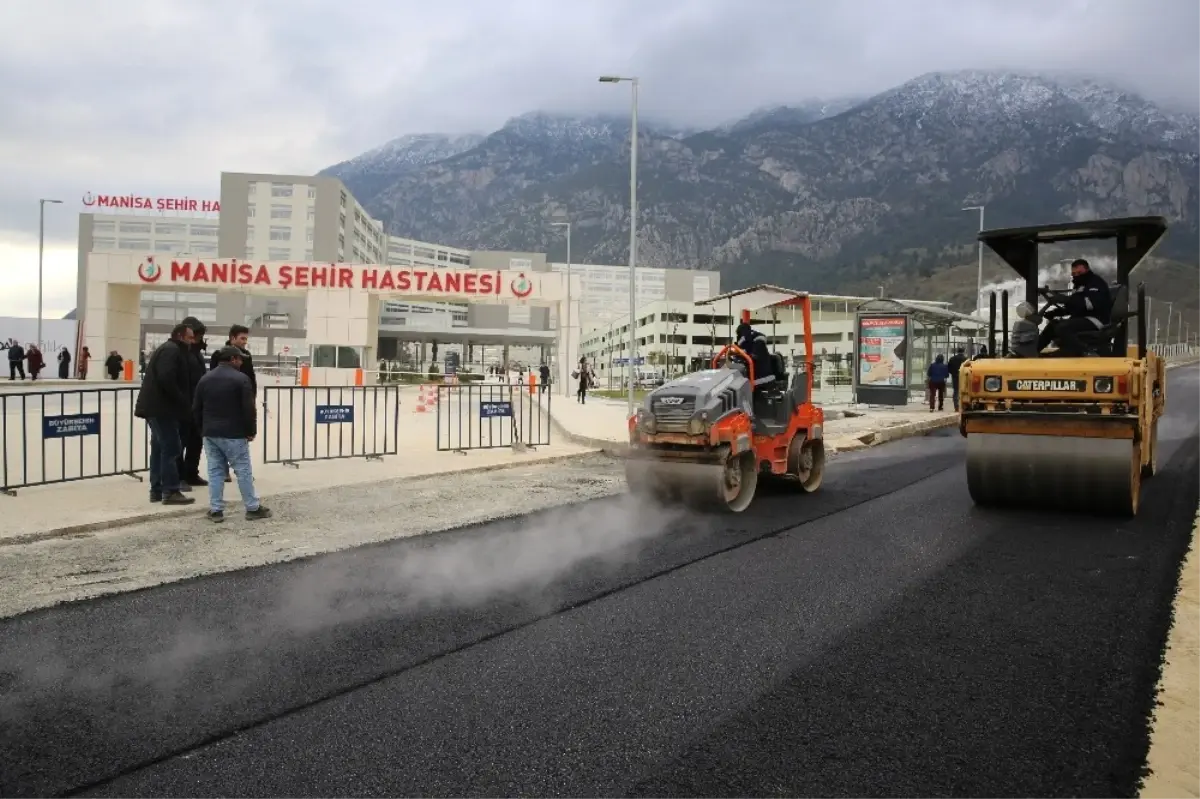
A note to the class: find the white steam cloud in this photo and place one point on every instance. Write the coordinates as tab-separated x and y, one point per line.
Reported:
1056	276
520	564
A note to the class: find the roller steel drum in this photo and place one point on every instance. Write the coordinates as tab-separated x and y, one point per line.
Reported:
729	487
1091	475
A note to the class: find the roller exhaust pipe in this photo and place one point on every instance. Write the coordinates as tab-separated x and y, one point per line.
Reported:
1004	322
991	325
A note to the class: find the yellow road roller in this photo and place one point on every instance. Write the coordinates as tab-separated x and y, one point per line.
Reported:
1064	415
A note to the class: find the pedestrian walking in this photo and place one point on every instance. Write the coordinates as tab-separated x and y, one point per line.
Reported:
84	357
544	378
16	361
164	403
114	364
35	361
955	365
938	373
583	374
224	410
64	364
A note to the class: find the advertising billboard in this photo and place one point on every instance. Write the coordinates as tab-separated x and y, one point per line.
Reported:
883	359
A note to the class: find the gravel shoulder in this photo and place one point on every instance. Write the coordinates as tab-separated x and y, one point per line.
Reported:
45	573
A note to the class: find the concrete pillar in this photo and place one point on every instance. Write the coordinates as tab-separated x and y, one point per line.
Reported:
341	318
112	322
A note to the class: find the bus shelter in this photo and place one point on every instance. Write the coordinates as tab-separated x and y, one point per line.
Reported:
894	343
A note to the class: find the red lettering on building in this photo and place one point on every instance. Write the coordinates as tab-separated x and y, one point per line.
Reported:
138	202
370	278
345	277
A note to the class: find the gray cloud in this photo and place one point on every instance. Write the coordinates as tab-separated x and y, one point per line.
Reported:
158	96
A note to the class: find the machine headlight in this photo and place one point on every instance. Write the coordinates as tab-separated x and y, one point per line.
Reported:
696	426
991	383
646	422
1024	310
1102	385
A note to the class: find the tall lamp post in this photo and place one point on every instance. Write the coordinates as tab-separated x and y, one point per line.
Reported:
41	249
567	343
979	279
633	157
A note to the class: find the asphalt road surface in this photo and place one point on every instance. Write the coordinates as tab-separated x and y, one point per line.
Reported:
882	637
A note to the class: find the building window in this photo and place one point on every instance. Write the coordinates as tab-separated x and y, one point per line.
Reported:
134	244
170	229
249	253
249	233
135	227
312	192
278	254
169	246
104	244
312	214
281	233
203	249
281	212
164	314
308	255
196	297
250	212
204	314
309	233
252	189
104	227
204	230
281	190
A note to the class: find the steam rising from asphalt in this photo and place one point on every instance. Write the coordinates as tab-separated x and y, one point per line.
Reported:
524	564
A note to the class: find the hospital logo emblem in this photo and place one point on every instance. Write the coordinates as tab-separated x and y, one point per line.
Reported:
521	286
149	271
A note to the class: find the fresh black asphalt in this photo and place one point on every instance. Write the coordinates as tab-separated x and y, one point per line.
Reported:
882	637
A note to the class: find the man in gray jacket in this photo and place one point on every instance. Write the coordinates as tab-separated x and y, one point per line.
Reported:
224	411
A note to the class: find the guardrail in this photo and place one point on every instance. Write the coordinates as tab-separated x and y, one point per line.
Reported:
62	436
491	415
315	423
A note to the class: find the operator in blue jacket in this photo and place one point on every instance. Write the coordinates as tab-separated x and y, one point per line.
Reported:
938	374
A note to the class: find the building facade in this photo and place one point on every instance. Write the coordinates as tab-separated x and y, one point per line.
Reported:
316	219
673	337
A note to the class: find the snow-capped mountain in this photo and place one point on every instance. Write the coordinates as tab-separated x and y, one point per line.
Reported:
823	194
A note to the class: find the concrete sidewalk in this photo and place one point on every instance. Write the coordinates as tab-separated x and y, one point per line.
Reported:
63	509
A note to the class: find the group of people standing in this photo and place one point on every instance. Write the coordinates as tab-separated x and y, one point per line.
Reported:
193	403
20	358
942	372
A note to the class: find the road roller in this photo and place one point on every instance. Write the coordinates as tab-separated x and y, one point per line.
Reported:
707	438
1056	427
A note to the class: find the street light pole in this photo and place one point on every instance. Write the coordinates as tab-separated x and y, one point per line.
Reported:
41	247
979	278
567	342
633	158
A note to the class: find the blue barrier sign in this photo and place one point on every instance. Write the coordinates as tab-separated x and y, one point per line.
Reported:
495	410
77	424
334	414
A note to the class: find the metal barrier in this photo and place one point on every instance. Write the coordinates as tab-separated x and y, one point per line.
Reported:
63	436
299	422
491	415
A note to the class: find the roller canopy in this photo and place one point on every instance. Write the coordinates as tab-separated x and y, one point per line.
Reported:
1136	236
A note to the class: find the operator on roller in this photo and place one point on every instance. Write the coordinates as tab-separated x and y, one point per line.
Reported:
754	344
1086	309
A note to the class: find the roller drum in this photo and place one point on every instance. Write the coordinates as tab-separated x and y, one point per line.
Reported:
705	486
1090	475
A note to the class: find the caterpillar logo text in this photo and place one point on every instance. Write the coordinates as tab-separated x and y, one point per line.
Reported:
1047	385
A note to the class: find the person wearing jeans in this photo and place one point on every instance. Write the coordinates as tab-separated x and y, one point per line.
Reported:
163	402
224	411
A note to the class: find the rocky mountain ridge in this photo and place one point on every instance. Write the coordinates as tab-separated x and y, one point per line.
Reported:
822	195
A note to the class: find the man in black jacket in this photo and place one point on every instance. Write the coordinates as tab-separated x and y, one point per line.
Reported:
239	338
955	363
189	433
224	411
1088	308
165	404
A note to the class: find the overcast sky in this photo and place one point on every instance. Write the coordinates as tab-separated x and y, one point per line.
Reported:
156	97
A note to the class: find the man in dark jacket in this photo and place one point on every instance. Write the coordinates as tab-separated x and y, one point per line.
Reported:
239	339
955	363
224	411
16	361
1088	307
165	404
938	373
189	433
